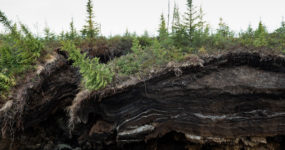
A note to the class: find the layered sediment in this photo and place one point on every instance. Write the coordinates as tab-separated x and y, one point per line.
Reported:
234	100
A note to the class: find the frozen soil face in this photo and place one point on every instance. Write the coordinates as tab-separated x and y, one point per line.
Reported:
229	101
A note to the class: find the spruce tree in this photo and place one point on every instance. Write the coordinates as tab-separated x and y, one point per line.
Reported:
223	36
224	30
201	22
168	15
249	30
179	36
191	18
91	30
163	34
247	37
62	35
72	34
176	19
260	36
199	35
261	29
48	35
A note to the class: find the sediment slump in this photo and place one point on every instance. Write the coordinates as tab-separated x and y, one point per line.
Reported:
234	100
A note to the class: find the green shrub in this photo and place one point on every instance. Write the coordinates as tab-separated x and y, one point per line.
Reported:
95	75
145	40
120	44
6	82
223	38
136	47
260	36
127	65
131	63
144	58
260	41
19	50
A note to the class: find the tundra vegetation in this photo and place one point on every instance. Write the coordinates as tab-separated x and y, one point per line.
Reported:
188	33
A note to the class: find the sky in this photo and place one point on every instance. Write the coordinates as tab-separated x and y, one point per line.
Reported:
115	16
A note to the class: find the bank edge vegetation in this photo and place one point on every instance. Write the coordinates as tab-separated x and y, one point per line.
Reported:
21	50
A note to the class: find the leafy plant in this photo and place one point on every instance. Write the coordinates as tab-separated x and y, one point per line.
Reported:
95	75
130	64
6	82
19	51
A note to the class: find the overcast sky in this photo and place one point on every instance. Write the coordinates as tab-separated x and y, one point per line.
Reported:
115	16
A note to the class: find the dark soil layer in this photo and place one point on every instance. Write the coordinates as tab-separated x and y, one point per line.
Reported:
231	101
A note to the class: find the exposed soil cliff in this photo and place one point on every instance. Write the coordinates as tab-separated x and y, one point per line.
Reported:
234	100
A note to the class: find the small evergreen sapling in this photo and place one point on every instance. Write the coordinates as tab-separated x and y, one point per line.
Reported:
91	30
163	33
260	36
191	20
